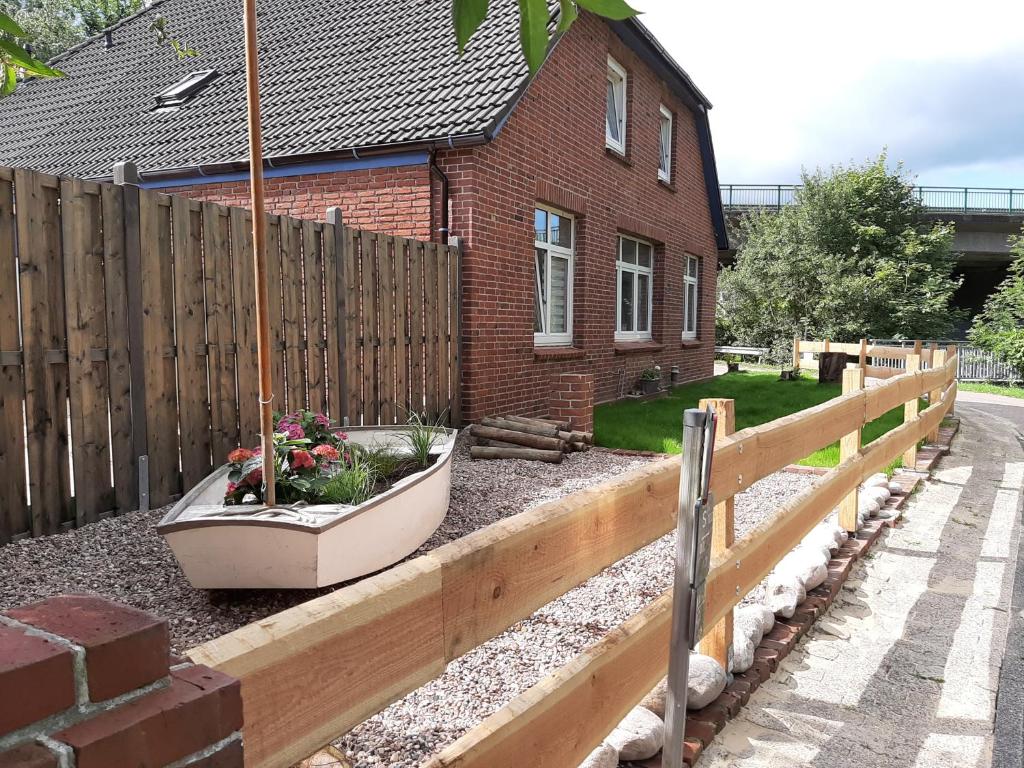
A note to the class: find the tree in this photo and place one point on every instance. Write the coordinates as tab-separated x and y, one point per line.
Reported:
851	259
1000	326
15	59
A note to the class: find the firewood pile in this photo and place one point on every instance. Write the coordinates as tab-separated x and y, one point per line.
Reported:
519	437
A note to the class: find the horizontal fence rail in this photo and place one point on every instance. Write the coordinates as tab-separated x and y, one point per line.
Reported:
937	199
127	330
315	671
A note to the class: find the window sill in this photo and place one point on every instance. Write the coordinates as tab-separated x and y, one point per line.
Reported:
690	343
558	353
666	185
619	157
630	347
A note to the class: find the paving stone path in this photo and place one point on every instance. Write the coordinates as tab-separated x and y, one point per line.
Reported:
902	670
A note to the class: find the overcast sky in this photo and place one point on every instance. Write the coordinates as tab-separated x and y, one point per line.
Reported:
808	84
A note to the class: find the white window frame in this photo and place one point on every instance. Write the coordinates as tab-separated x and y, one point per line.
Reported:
618	78
665	145
637	270
544	339
688	280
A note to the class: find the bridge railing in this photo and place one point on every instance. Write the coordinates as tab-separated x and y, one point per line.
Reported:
938	199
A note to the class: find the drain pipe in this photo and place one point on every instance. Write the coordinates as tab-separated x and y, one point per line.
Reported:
436	169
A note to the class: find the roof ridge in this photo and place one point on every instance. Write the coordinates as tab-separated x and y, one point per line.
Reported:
147	6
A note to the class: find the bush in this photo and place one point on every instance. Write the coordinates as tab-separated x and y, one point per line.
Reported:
1000	326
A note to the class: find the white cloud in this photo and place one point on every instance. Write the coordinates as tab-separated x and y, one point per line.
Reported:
816	83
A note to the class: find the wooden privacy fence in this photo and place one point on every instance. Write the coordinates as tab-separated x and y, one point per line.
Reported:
313	672
878	361
127	330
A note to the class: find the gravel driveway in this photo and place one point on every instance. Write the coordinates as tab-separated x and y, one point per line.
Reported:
124	558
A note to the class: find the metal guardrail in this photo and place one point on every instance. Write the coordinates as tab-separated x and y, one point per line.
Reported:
938	199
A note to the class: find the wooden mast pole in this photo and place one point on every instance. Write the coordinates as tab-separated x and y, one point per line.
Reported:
259	250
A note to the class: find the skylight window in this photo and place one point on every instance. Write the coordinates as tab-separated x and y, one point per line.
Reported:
185	89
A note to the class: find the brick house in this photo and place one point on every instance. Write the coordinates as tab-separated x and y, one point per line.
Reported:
585	198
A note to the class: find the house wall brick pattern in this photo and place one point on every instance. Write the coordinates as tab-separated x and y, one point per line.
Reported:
572	399
87	679
552	150
394	200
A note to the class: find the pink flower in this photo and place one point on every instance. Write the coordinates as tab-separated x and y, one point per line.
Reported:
322	420
232	487
240	455
302	460
292	431
328	452
341	436
254	478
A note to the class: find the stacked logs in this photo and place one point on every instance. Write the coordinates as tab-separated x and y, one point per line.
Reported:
519	437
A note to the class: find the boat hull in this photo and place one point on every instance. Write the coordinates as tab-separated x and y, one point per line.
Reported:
243	552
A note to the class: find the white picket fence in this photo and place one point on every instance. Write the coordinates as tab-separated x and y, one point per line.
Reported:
975	364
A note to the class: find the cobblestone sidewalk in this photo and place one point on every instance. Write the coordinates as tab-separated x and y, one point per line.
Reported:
902	670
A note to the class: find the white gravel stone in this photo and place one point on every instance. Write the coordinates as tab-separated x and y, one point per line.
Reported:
706	682
867	507
750	621
640	735
878	479
742	652
785	593
877	494
895	488
605	756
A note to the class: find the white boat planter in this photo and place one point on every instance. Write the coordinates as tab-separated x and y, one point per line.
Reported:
308	545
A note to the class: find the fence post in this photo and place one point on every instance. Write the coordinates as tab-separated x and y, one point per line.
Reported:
953	352
336	219
938	361
796	353
126	175
717	642
849	446
910	412
825	345
918	346
864	356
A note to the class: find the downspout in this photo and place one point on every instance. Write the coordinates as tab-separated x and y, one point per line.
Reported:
442	231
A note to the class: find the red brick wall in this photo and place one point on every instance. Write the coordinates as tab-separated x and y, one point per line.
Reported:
393	200
553	150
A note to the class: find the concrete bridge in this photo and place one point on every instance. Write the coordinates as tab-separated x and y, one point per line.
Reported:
984	220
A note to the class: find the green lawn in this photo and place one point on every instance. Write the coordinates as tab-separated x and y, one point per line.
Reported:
656	425
991	389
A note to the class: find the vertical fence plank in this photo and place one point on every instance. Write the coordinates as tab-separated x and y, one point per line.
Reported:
158	346
352	362
46	388
190	337
334	314
14	519
370	330
291	283
417	331
118	362
938	361
910	411
430	328
849	446
274	308
220	335
402	328
85	302
244	304
455	336
316	342
443	336
386	318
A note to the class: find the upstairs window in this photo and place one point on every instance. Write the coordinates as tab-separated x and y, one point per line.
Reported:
635	278
691	283
615	123
553	252
665	146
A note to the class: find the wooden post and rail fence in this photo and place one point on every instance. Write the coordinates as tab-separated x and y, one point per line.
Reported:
879	361
315	671
127	340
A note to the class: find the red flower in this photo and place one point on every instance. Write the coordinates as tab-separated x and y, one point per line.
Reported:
328	452
302	460
240	455
232	487
254	478
341	436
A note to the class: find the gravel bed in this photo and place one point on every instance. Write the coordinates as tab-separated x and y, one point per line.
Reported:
125	559
488	677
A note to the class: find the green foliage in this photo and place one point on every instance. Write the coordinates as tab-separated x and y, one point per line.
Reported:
382	461
351	485
656	425
468	15
53	26
15	60
852	259
1000	326
421	436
